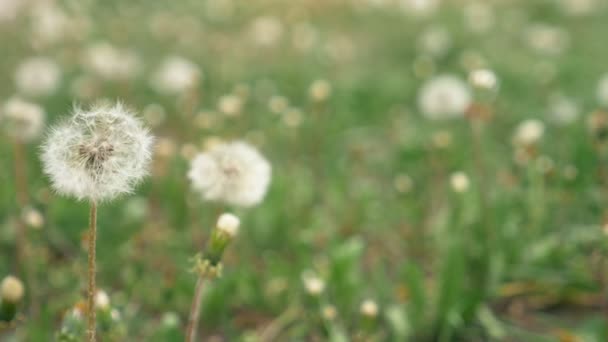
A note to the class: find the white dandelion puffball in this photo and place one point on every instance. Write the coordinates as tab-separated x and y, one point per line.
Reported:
11	289
111	63
266	30
234	172
98	154
602	91
37	76
369	308
176	75
444	97
529	132
22	120
563	110
459	181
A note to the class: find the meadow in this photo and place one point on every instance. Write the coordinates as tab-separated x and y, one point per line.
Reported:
439	170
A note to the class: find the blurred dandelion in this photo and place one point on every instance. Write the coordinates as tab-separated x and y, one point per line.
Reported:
444	97
37	76
176	75
235	173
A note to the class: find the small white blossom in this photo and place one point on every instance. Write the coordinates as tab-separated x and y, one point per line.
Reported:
37	76
22	120
234	172
176	75
11	289
98	153
444	97
483	79
528	132
229	224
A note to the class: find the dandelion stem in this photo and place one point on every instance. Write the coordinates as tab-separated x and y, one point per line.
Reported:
21	189
91	326
195	310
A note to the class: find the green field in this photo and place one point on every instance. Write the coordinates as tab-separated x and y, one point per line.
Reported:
383	221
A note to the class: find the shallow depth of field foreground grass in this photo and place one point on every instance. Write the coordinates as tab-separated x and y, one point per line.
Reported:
439	169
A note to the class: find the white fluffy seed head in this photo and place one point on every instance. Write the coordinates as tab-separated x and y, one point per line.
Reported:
528	132
111	63
444	97
229	224
37	76
320	90
369	308
459	182
98	154
235	173
102	300
313	284
22	120
11	289
176	75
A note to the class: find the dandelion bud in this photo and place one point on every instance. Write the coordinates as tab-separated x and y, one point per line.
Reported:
226	229
22	120
369	308
11	293
459	182
98	154
235	173
229	224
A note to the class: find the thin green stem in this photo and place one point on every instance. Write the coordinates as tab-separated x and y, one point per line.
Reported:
91	326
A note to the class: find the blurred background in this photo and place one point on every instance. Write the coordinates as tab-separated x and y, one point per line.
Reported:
439	167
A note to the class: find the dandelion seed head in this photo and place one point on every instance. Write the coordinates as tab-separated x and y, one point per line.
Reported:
176	75
102	300
11	289
313	285
111	63
235	173
37	76
444	97
459	182
98	154
22	120
369	308
320	90
528	132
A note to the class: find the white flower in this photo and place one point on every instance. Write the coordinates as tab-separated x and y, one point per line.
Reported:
320	90
229	224
111	63
37	76
102	300
22	120
459	182
563	110
230	105
420	7
444	97
176	75
97	154
313	284
266	30
234	172
528	132
602	91
483	79
369	308
11	289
